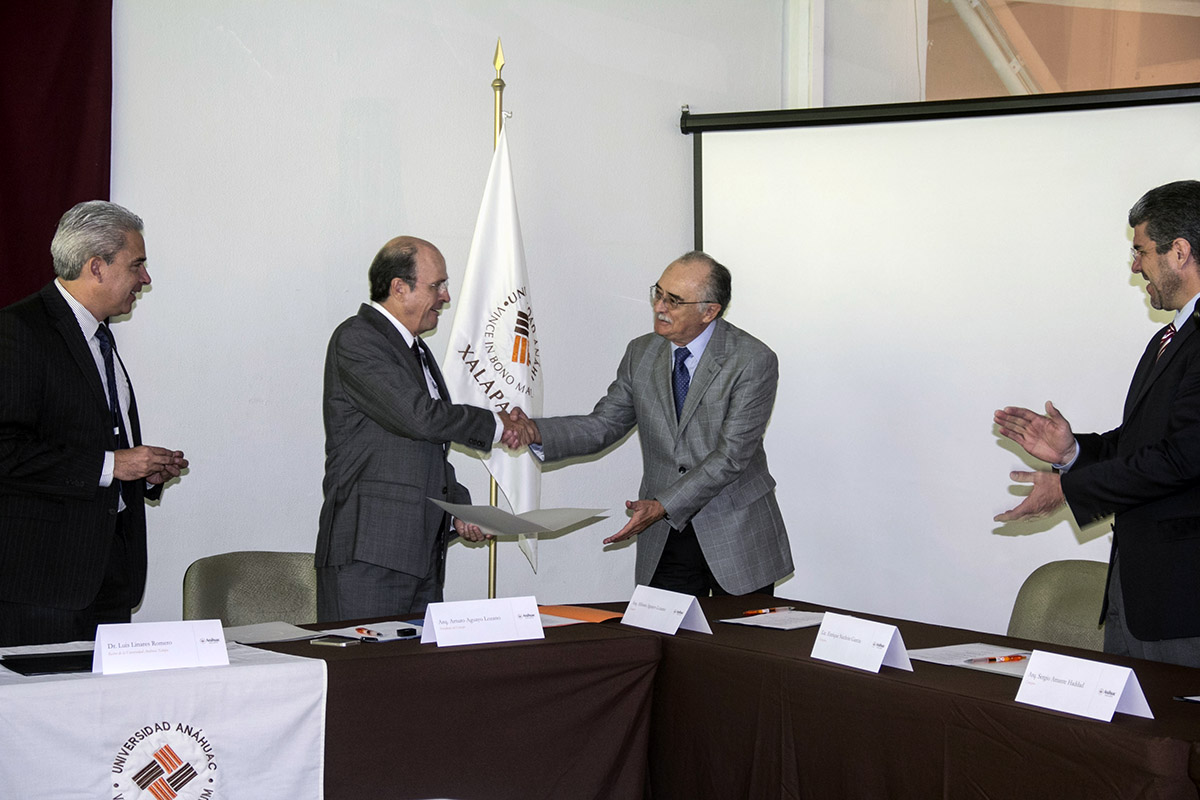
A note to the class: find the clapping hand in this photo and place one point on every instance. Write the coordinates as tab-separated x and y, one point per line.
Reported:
1046	436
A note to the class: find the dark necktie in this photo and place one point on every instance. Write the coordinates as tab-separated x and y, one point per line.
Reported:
419	351
110	375
1168	334
680	379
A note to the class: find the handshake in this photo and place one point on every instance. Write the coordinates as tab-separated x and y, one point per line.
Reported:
519	430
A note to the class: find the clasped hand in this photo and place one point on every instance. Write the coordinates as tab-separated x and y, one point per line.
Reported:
155	464
519	430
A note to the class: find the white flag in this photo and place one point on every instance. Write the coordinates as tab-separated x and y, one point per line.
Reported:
492	360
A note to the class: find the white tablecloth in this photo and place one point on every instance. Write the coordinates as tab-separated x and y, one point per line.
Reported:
253	729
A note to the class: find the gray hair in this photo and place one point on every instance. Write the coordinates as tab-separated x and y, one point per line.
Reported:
90	229
1170	211
720	283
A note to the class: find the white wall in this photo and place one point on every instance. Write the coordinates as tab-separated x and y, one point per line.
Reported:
273	146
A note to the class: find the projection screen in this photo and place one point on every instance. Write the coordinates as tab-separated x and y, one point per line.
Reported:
916	267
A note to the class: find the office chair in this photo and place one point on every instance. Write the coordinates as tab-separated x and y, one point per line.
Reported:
1060	603
249	586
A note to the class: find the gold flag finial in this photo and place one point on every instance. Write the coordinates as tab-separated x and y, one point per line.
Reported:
497	95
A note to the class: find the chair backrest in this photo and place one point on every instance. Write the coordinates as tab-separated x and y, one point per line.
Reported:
1060	603
250	586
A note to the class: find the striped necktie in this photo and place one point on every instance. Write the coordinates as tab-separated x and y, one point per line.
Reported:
1168	334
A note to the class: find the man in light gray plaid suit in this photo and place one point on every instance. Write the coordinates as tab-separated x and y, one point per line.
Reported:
700	392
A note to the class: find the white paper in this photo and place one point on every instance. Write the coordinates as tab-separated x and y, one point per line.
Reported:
1079	686
665	612
497	521
145	646
502	619
966	655
860	643
378	631
780	620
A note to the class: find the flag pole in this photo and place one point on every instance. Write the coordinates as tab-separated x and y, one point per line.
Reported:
497	122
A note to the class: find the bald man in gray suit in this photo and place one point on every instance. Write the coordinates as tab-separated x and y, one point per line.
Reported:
381	543
700	392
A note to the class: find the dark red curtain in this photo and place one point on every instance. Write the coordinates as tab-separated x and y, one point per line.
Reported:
55	127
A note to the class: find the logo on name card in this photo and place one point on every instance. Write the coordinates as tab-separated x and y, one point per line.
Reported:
165	761
505	362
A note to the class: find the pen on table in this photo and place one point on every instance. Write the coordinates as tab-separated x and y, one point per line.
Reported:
767	610
1187	699
995	659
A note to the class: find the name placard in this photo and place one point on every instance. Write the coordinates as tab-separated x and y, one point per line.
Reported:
501	619
860	643
145	646
1079	686
665	612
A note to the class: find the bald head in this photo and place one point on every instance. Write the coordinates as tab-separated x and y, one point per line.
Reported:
396	259
408	278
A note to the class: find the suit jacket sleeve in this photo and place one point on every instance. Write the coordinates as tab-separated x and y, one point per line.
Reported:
400	405
613	417
721	439
1107	478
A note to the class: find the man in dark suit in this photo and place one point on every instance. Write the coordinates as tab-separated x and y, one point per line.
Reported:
1147	470
381	544
73	471
700	392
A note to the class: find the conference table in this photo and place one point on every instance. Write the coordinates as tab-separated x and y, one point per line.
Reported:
563	717
608	711
747	713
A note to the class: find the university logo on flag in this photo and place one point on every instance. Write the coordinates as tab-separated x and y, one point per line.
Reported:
493	360
521	337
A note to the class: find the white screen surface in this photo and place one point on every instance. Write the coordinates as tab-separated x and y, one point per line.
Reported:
913	277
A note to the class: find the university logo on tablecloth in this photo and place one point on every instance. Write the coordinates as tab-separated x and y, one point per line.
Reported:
162	761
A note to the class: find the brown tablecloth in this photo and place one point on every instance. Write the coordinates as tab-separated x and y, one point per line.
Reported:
746	713
560	718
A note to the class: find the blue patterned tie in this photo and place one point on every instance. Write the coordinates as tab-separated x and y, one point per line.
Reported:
110	374
680	379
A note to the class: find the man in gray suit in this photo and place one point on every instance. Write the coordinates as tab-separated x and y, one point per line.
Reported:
381	546
700	392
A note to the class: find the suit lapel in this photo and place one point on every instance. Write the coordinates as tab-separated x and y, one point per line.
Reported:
374	317
1150	367
663	365
706	372
77	346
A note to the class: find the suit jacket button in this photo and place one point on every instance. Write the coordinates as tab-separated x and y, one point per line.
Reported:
443	490
112	512
682	470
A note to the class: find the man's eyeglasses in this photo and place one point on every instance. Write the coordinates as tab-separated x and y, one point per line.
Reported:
440	286
673	302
